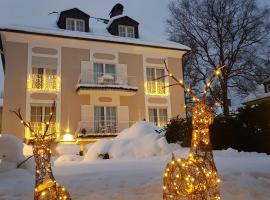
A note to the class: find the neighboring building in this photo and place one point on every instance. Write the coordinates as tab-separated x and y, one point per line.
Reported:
100	73
262	94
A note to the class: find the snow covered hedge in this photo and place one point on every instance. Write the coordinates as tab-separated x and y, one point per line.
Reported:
141	140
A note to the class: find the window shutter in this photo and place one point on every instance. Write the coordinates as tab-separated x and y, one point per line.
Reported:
123	118
122	74
86	72
87	113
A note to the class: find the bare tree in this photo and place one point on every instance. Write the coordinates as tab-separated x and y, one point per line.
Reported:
234	33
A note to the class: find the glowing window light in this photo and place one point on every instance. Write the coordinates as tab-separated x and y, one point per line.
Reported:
43	83
157	88
40	127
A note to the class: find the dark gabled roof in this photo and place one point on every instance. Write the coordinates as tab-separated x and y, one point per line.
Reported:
74	10
120	17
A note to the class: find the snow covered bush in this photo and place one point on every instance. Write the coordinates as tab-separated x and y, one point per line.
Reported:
68	149
67	153
11	153
141	140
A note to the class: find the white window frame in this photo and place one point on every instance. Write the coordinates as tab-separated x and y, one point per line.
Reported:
43	112
156	84
106	122
96	76
76	24
125	33
160	118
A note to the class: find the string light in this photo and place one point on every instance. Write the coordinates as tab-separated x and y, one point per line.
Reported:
46	187
196	177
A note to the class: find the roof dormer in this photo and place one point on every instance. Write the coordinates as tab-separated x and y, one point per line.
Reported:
74	20
122	25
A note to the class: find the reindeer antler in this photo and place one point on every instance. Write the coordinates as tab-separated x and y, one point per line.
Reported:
211	80
28	124
178	82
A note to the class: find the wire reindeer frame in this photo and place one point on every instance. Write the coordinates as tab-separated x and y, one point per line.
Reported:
194	178
46	187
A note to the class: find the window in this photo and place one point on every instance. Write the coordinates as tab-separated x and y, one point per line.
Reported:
158	116
75	24
44	79
104	73
105	120
41	114
126	31
153	86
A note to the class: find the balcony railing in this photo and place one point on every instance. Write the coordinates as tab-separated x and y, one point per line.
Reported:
43	83
107	80
39	127
160	123
156	88
101	128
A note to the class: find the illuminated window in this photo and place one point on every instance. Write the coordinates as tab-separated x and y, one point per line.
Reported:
44	80
153	86
158	116
126	31
39	115
75	24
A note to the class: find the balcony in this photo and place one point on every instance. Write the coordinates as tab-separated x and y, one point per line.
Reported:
100	128
39	127
108	83
43	83
156	88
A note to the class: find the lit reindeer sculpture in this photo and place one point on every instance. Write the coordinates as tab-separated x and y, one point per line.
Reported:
46	188
196	177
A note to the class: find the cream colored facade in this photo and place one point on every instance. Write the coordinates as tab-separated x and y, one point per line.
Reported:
76	99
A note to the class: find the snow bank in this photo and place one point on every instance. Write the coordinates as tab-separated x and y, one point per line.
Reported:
139	141
68	149
11	154
68	153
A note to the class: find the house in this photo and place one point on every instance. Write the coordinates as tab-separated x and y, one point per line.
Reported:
100	72
261	94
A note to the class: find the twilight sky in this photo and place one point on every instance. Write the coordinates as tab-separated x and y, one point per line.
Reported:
153	18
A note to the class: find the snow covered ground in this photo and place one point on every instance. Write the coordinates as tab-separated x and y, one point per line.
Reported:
245	176
138	158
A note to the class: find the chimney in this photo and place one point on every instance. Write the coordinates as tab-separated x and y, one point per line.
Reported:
116	10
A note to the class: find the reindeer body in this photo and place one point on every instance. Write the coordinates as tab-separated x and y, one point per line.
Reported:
194	178
46	187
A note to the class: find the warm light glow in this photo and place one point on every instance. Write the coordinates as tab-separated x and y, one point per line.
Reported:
43	83
218	72
196	177
157	88
68	137
40	127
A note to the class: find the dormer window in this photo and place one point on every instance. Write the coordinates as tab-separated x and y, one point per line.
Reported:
75	24
74	20
126	31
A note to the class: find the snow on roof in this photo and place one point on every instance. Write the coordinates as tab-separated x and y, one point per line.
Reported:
258	94
114	18
47	24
